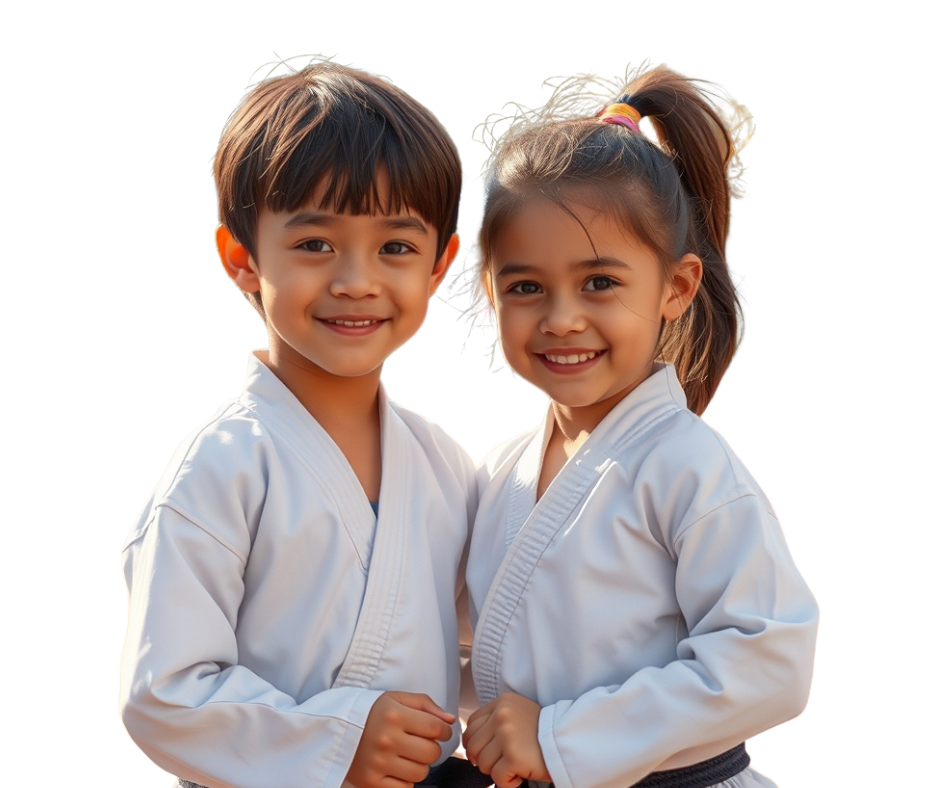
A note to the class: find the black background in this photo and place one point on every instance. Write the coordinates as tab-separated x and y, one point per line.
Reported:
194	330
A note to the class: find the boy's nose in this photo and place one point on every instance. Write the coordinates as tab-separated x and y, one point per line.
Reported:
355	278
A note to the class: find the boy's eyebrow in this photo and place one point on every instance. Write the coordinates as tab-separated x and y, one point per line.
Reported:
513	269
308	218
406	223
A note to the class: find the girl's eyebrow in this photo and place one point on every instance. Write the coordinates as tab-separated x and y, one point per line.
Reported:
307	219
594	264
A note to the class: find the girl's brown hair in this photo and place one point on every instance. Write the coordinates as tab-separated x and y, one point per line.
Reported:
674	196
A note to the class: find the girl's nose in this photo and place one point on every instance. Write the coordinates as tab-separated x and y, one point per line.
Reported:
355	277
563	316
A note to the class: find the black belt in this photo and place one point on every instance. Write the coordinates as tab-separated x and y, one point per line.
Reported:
453	773
699	775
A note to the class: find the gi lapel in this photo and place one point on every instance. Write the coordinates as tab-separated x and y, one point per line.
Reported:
316	450
383	585
530	536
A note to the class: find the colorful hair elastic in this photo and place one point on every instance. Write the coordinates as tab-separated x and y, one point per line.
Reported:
622	115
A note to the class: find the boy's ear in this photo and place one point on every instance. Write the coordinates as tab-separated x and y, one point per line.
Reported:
443	263
682	286
236	260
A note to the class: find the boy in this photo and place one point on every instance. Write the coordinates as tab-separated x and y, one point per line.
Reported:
301	554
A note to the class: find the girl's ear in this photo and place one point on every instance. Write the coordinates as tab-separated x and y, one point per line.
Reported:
236	261
682	286
488	316
487	280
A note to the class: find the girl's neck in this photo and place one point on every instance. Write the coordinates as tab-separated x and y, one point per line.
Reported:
572	427
572	424
575	422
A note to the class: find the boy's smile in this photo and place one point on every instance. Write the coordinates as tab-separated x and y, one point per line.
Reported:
341	292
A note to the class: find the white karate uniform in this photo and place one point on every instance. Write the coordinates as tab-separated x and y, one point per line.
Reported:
269	610
647	601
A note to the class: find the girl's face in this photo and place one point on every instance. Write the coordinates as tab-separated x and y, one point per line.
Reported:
580	301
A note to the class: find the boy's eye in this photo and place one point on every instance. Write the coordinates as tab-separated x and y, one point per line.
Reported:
596	283
395	247
524	288
315	245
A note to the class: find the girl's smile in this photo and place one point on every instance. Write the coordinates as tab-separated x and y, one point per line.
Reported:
569	361
580	303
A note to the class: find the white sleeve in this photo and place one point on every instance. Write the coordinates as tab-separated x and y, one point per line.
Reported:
468	697
745	665
468	702
185	699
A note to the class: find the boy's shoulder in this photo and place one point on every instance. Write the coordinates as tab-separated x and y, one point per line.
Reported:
437	445
502	458
228	461
228	441
217	474
227	444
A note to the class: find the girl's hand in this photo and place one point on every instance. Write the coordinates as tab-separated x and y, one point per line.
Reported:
399	741
502	740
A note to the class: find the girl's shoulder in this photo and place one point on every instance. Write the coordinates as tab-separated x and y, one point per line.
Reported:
684	438
684	461
434	440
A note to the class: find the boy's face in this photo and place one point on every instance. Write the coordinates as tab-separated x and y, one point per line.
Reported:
342	292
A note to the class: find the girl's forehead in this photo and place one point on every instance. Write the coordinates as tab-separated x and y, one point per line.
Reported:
597	216
542	222
548	241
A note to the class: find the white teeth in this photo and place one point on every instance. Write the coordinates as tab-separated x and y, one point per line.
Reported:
572	359
353	323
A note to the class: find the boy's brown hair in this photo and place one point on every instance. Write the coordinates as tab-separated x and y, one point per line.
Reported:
337	127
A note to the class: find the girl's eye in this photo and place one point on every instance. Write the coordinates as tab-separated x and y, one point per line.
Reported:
596	283
524	288
315	245
395	247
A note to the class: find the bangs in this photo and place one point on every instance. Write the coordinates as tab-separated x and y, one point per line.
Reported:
341	161
583	163
354	141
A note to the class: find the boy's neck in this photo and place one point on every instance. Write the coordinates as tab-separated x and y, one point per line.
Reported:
347	408
334	401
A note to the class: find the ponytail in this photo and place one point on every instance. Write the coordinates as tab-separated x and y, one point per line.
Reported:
675	196
698	140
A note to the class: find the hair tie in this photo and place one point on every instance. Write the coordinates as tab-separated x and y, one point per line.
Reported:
622	115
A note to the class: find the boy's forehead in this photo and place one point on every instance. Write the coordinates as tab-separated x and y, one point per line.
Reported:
319	213
327	198
315	211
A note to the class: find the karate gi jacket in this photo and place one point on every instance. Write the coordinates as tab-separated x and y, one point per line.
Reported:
647	602
269	609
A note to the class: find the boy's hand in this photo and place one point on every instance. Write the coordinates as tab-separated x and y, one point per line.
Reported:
502	740
399	741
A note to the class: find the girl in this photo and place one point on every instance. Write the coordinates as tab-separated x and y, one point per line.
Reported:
637	614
